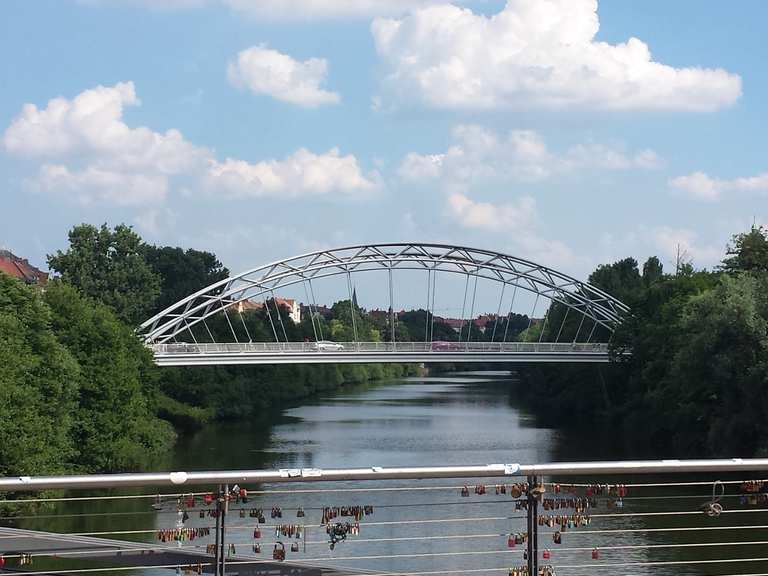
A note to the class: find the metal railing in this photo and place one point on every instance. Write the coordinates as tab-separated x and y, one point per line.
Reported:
379	347
638	517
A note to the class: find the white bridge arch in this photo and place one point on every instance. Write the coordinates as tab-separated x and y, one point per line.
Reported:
169	332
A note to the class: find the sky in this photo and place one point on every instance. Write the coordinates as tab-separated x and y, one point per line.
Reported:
568	132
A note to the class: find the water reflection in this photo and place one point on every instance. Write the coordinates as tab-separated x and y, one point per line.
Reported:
471	418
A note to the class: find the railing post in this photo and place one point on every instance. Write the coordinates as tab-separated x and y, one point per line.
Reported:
217	547
533	529
223	500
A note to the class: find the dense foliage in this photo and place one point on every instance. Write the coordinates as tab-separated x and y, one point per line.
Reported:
696	383
38	386
79	391
74	385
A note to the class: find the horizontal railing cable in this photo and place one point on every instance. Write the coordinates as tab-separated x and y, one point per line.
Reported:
466	520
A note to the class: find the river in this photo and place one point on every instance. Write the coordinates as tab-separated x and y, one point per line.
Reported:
468	418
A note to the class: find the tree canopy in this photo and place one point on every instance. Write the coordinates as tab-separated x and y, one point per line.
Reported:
749	252
109	266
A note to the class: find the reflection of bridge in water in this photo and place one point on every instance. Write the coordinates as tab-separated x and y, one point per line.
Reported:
578	318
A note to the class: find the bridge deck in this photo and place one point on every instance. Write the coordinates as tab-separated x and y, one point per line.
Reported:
376	352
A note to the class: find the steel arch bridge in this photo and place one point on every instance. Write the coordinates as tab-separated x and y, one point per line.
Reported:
169	333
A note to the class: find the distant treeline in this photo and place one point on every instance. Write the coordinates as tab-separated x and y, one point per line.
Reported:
696	382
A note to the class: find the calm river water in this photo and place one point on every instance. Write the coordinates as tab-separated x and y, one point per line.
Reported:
471	418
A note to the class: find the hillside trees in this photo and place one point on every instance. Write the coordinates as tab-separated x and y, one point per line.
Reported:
38	386
115	426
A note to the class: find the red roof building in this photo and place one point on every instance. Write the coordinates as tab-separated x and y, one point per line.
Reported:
21	268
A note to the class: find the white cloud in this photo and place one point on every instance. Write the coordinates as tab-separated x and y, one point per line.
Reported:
286	9
88	153
94	184
92	124
496	217
476	152
669	241
156	222
301	174
536	53
519	221
704	187
265	71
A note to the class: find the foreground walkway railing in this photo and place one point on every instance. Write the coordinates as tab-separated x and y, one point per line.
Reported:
642	517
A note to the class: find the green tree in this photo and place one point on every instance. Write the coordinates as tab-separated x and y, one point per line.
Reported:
182	272
716	390
115	424
749	252
653	271
38	386
109	265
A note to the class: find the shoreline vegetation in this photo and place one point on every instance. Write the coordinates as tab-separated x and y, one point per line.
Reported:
79	391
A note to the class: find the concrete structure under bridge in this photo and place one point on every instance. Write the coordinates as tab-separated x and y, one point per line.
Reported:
584	321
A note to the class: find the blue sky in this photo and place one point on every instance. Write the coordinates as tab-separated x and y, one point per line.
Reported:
259	129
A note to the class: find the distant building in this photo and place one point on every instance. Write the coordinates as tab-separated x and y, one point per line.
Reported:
454	323
21	268
481	322
293	307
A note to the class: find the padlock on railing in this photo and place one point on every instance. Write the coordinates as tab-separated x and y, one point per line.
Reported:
595	554
278	553
256	533
295	547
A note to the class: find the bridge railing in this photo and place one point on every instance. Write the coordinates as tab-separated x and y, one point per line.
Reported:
595	518
436	347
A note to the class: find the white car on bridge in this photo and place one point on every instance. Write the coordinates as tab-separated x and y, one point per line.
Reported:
326	345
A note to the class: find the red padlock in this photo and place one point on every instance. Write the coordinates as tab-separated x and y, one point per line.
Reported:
2	561
547	554
595	554
257	533
511	541
208	498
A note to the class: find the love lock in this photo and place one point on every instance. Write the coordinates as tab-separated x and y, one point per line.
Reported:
713	509
337	532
